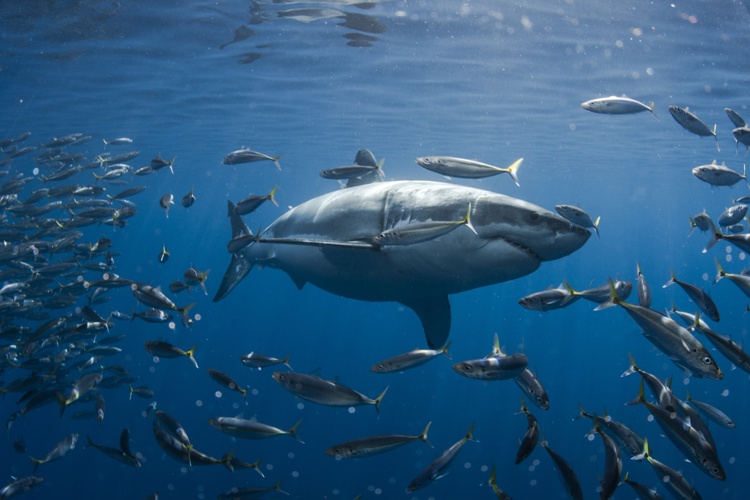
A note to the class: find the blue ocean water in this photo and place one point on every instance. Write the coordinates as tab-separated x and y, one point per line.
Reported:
492	80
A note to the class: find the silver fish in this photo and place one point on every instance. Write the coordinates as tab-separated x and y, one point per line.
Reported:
59	451
260	361
351	171
531	436
644	291
324	392
533	389
440	465
566	473
701	298
409	360
117	142
374	445
248	156
713	413
732	215
578	216
419	232
672	480
612	463
548	300
691	123
614	105
250	429
719	175
467	169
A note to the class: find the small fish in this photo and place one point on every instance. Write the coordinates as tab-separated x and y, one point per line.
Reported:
440	465
614	105
250	429
741	280
375	445
713	413
732	215
19	446
492	483
324	392
578	217
142	392
158	163
350	171
741	241
736	228
250	204
691	123
531	436
567	475
644	291
59	451
226	381
115	454
418	232
117	142
640	489
100	407
612	463
178	451
467	169
163	255
600	294
150	408
409	360
189	199
533	389
248	156
177	286
736	118
672	480
173	426
701	221
83	415
151	316
701	298
548	300
168	351
251	492
165	201
193	277
260	361
496	366
19	486
624	436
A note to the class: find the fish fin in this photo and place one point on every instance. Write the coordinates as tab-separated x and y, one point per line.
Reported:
467	221
672	281
378	400
293	432
239	267
316	372
654	112
271	195
186	321
435	315
513	170
36	463
423	436
275	160
444	350
719	272
63	404
693	225
298	282
256	466
717	139
571	293
581	413
596	226
470	435
716	236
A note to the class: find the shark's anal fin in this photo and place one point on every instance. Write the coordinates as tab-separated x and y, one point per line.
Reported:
435	314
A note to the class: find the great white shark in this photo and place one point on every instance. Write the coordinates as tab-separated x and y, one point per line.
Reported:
327	241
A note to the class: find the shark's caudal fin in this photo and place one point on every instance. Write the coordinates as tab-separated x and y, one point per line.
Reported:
435	314
240	265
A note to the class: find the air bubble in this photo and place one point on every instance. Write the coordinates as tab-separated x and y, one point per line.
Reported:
171	325
170	486
352	409
255	393
725	393
269	466
467	465
300	406
686	381
295	474
152	369
536	462
591	437
156	359
732	460
197	317
290	455
199	403
705	276
729	258
218	394
533	482
532	468
650	418
484	468
378	491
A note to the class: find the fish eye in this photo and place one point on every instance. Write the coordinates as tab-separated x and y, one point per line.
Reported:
380	367
281	377
467	368
707	360
715	470
539	400
337	450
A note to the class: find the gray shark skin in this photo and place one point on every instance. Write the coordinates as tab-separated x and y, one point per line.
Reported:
327	241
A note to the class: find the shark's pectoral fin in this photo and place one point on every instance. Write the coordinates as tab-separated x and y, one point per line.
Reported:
435	314
297	281
236	272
